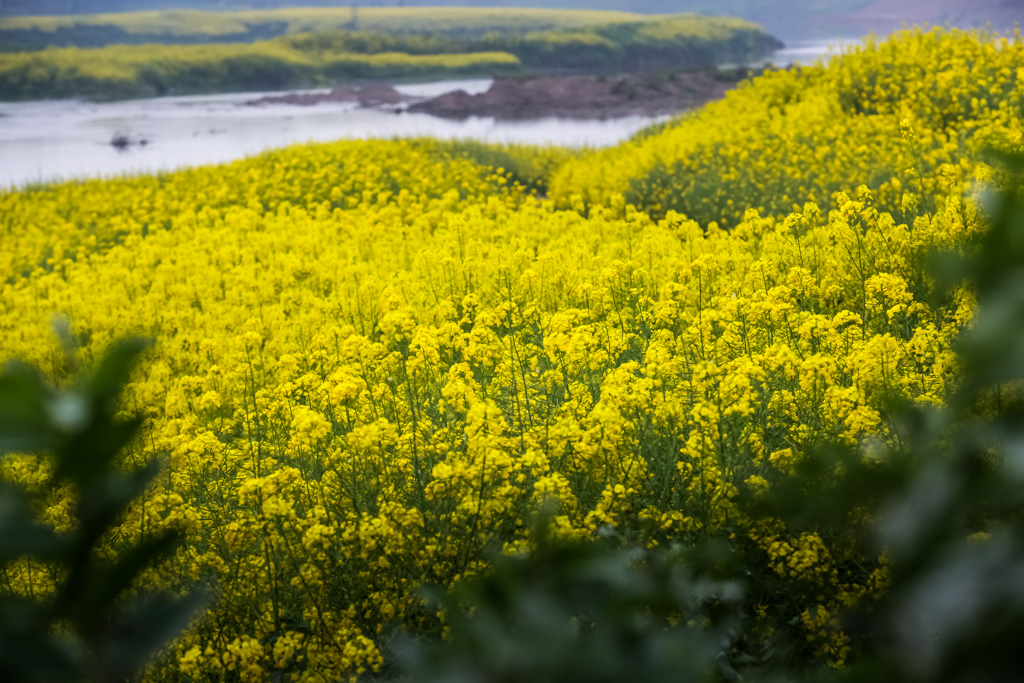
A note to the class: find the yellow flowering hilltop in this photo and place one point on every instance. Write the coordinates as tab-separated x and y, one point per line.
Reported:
374	362
801	134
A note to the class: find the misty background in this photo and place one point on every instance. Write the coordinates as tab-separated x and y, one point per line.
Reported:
787	19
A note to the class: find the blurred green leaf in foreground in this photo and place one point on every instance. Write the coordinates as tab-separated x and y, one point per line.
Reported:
89	623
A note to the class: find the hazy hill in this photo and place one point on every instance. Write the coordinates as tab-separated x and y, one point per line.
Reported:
789	19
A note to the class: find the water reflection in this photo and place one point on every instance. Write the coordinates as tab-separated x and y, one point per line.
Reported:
807	52
52	140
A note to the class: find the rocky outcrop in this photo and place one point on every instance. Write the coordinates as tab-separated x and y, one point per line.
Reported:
584	96
371	95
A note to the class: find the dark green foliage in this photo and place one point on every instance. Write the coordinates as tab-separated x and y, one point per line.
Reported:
603	47
529	166
698	191
581	612
100	35
95	626
956	607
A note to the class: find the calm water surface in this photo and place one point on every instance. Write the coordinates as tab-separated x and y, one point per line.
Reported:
52	140
807	51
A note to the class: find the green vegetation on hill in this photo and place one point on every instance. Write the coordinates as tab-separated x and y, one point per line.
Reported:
685	40
792	19
738	7
124	71
461	23
447	20
394	44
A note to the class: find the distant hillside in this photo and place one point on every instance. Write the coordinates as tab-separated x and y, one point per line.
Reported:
890	15
322	47
795	18
799	19
788	19
664	40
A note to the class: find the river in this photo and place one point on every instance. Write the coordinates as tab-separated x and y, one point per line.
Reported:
51	140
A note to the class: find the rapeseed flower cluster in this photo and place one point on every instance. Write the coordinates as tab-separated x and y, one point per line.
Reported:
374	362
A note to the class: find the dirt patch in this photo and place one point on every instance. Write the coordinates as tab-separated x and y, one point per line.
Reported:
584	96
371	95
568	96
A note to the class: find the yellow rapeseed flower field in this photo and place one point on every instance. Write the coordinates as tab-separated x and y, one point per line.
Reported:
800	134
375	361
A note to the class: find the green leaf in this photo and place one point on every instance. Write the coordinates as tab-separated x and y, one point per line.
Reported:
107	380
117	579
25	423
141	630
89	454
20	534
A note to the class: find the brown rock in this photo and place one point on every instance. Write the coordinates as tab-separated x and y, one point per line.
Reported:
583	96
369	95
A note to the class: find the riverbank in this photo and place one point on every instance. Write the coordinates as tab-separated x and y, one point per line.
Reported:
577	96
586	96
47	141
326	57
